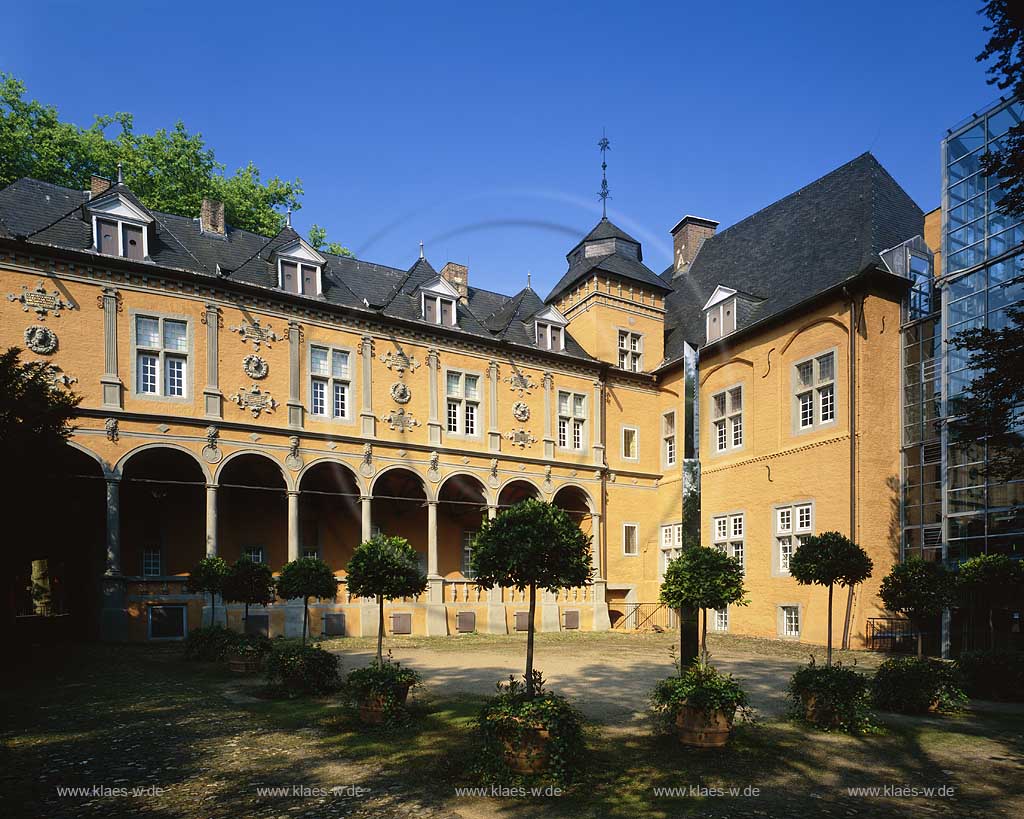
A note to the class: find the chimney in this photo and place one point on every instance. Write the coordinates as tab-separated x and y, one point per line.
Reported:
211	217
687	237
457	275
97	185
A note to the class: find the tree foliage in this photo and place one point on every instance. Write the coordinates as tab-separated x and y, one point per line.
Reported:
304	578
995	580
384	567
918	589
250	583
208	578
318	239
528	546
170	170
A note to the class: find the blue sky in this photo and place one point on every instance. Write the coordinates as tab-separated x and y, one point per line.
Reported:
473	127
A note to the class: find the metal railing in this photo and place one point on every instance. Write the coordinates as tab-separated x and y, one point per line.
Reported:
643	616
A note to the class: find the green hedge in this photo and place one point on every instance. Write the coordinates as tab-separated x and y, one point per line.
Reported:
294	670
915	685
993	675
836	697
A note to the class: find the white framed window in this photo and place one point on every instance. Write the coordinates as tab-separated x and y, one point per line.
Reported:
790	617
630	539
631	351
728	535
254	553
299	277
630	443
549	336
727	419
152	561
467	554
572	419
438	309
119	237
814	391
793	525
669	451
463	402
721	621
330	382
671	546
161	356
313	553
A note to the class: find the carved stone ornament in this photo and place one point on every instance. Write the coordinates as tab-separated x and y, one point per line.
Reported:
255	400
40	339
399	362
293	460
521	438
211	452
41	301
521	412
366	467
110	427
548	486
400	392
253	331
61	378
492	479
520	382
255	366
434	467
400	420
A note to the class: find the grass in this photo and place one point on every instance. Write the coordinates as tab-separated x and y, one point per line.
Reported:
138	716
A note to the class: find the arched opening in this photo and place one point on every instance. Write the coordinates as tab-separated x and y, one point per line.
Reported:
515	491
399	508
576	503
330	518
163	513
252	514
461	511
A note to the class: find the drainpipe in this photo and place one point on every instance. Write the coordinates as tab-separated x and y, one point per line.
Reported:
851	390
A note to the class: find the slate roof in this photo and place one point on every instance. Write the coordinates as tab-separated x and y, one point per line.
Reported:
47	214
824	234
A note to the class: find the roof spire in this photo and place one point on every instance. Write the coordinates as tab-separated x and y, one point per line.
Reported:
605	146
289	217
421	249
528	285
120	178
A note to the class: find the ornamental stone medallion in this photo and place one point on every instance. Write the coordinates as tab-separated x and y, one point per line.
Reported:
40	339
212	453
40	301
256	333
521	438
255	400
400	392
521	412
399	362
399	420
520	382
255	366
293	460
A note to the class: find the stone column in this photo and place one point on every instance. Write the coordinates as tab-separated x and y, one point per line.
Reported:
437	614
432	539
602	622
113	614
367	421
293	525
111	385
434	421
113	526
596	423
595	545
294	374
213	398
211	520
366	507
549	441
496	623
493	432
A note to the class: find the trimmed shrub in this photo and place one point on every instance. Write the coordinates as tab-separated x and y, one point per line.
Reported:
916	685
701	686
385	682
832	697
294	669
993	675
210	643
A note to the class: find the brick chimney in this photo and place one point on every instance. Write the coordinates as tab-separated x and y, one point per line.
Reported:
457	275
211	217
97	185
687	237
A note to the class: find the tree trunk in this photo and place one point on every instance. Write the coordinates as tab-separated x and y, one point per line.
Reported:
245	620
380	630
213	608
305	617
682	642
704	636
828	655
991	630
529	642
920	640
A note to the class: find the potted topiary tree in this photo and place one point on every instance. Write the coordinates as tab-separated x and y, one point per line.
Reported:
384	567
826	560
702	700
528	546
252	584
208	578
307	577
918	589
997	580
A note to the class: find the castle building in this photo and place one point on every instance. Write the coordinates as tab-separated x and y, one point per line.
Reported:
252	395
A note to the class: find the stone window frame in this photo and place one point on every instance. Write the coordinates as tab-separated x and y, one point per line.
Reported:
350	401
634	356
146	552
815	388
464	402
134	350
542	335
794	532
716	620
669	546
149	621
669	440
299	263
635	526
120	221
247	551
780	621
728	419
466	553
438	311
636	442
727	542
571	419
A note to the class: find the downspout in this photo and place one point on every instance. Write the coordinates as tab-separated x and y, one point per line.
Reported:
604	476
852	409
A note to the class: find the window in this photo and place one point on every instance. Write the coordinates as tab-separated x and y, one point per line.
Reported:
790	621
313	553
631	349
467	554
671	545
728	535
722	619
254	553
329	383
668	437
296	277
630	539
438	310
168	622
727	419
550	336
720	320
463	391
161	350
630	445
152	565
114	237
572	415
793	524
815	391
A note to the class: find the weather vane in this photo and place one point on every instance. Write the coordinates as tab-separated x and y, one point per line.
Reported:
604	145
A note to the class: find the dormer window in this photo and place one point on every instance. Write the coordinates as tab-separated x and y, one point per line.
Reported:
120	228
720	313
300	269
438	302
550	336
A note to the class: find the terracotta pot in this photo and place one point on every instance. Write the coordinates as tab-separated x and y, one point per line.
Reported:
526	751
243	665
703	729
373	709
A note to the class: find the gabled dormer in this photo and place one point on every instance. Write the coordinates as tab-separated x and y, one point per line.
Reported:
549	329
439	302
720	313
299	268
121	225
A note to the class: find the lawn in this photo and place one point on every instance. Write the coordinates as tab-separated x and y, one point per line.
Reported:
195	741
